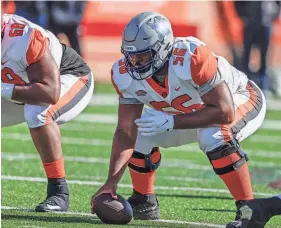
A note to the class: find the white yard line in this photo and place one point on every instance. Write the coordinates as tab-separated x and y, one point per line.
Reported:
186	148
112	100
108	125
104	100
93	128
167	162
96	183
272	124
191	223
182	164
96	118
25	156
173	178
265	139
152	221
273	105
66	140
32	226
105	142
112	119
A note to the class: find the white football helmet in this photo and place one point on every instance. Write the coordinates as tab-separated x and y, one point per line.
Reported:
148	37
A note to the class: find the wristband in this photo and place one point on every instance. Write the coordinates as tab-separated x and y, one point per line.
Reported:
7	90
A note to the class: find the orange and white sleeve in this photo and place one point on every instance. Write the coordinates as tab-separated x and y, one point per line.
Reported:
121	84
204	67
37	46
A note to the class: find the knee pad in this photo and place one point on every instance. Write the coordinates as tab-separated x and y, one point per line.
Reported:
226	150
145	163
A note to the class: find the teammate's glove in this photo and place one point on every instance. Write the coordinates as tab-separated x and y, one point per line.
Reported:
153	122
7	90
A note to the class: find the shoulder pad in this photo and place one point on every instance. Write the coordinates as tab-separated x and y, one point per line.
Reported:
16	46
183	49
119	76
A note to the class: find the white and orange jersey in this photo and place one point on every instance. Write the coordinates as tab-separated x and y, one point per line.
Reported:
193	71
24	43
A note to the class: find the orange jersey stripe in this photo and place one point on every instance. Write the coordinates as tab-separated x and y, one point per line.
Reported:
240	113
203	65
162	91
38	45
70	94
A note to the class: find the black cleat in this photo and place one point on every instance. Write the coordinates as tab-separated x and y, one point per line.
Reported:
54	204
237	222
57	197
255	213
145	207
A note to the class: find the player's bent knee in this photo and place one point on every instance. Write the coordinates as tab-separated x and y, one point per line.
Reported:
227	158
145	163
35	116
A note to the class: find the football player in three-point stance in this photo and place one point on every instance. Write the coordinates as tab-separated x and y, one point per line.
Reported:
44	83
193	95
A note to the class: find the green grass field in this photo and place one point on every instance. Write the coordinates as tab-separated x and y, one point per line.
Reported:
189	192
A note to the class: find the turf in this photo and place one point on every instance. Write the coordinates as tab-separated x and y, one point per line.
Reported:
186	184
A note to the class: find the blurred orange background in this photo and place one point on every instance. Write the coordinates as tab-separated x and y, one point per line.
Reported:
103	23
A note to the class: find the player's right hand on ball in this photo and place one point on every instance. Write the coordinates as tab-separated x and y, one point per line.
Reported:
106	188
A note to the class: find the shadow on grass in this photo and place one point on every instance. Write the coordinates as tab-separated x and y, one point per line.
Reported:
60	218
214	210
190	196
46	218
91	220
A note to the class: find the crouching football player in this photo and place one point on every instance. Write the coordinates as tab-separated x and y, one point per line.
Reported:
44	83
194	95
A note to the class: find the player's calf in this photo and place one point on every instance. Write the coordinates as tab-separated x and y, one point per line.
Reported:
230	163
142	169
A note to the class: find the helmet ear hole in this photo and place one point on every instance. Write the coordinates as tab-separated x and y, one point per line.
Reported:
153	53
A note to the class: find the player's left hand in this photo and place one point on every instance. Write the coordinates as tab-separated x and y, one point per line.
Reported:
153	122
106	188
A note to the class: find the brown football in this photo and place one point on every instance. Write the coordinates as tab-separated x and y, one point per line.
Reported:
113	211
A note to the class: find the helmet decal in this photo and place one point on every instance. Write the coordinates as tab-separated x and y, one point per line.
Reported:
160	26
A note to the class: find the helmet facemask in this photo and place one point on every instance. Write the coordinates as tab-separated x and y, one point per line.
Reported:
155	55
150	64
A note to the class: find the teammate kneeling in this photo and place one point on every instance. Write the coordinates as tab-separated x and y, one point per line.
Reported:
194	95
44	83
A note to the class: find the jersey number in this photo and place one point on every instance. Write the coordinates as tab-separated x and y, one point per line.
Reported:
16	29
9	76
179	53
122	67
177	104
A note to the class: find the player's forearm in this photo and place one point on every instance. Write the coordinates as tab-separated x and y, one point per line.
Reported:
36	94
205	117
122	149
